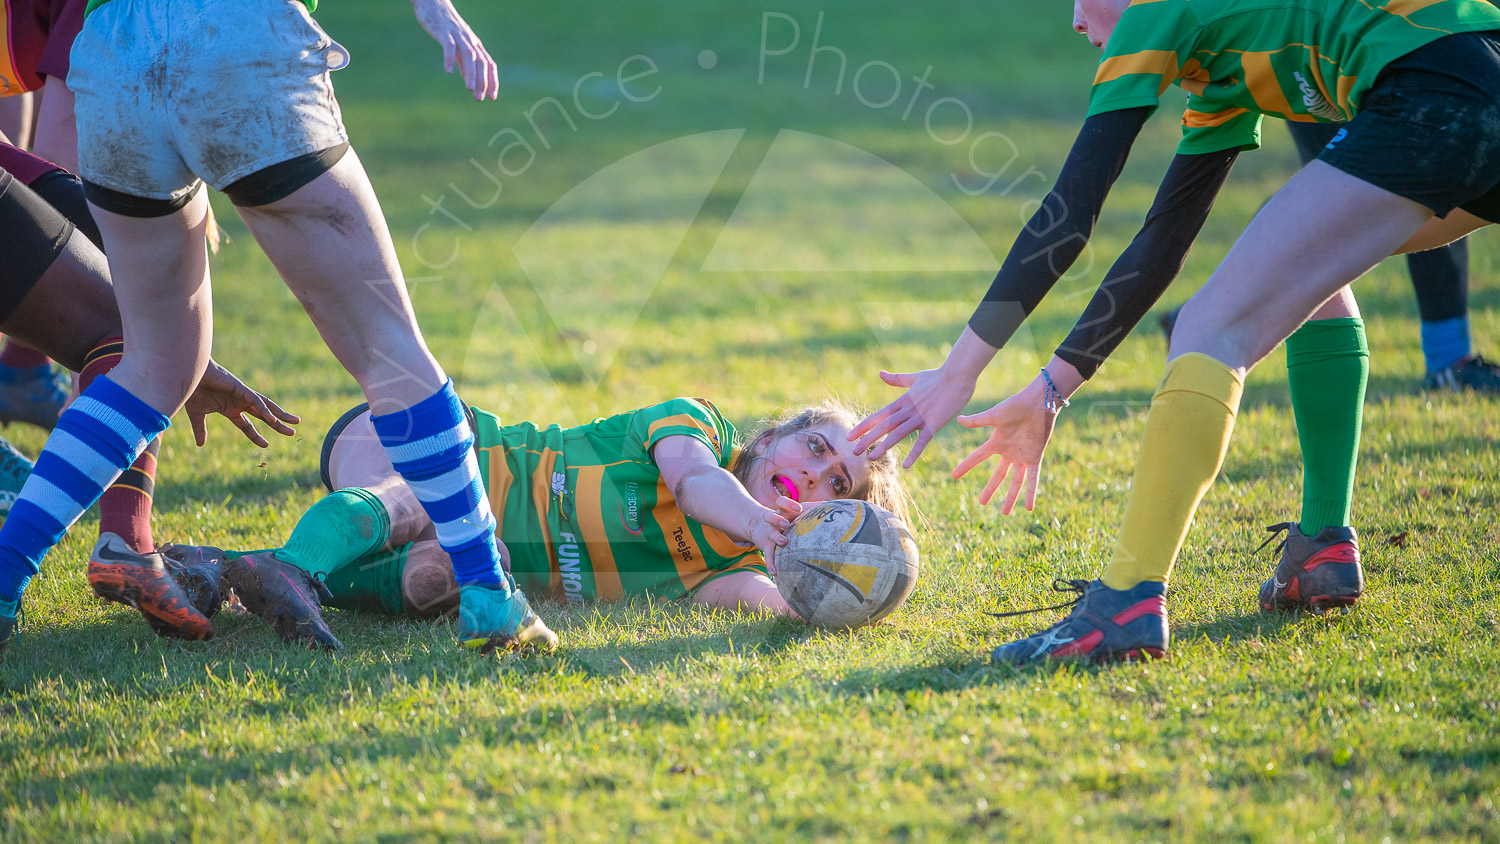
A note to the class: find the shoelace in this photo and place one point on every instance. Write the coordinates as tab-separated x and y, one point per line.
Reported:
1058	585
1276	530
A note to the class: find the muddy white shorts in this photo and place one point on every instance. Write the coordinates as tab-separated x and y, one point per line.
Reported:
169	92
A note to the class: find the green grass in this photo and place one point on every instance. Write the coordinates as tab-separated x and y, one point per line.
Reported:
661	722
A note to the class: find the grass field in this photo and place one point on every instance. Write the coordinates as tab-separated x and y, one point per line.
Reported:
743	227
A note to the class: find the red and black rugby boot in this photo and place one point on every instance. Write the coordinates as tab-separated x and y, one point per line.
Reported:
1315	573
1105	625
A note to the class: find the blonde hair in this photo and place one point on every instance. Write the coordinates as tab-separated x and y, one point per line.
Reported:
884	487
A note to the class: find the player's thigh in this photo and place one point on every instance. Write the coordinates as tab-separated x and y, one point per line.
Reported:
70	309
330	243
159	267
1321	231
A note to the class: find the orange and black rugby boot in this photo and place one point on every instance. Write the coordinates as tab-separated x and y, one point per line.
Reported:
119	573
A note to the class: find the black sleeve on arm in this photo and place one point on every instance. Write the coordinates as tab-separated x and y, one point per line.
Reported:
1154	258
1060	228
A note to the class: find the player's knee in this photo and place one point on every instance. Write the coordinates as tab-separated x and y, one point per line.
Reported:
427	585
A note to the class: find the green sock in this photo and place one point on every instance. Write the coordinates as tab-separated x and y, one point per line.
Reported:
344	526
1328	364
371	583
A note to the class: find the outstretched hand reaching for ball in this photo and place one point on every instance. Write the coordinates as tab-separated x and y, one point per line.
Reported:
219	391
933	397
462	49
1021	427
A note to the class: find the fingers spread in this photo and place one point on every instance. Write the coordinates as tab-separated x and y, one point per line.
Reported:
1015	491
871	422
996	477
1035	475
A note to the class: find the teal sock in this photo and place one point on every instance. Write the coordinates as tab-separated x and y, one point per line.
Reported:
1328	365
344	526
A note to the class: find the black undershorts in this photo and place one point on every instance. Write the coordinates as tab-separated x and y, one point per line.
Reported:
1429	129
259	188
32	235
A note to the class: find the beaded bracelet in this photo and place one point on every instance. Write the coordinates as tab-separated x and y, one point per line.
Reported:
1051	398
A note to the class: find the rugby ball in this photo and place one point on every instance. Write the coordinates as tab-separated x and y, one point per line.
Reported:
847	563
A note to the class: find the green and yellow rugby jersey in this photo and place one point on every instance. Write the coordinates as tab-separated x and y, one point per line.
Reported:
585	515
1302	60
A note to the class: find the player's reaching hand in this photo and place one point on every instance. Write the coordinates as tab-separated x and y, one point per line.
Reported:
768	528
933	397
1021	427
219	391
462	49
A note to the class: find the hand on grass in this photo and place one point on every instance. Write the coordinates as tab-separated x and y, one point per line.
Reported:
1021	427
221	392
462	49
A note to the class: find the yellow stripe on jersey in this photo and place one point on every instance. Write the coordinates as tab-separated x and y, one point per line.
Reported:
590	517
1154	62
1260	79
723	544
1404	8
686	555
541	490
1346	84
683	420
500	481
1201	119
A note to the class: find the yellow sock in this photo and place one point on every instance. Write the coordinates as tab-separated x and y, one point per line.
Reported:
1187	433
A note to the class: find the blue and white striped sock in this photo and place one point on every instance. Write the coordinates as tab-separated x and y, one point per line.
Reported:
96	439
432	447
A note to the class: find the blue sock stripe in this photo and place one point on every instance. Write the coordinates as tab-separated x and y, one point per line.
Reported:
66	457
458	438
456	509
50	497
459	482
460	533
432	465
34	518
95	433
438	412
141	416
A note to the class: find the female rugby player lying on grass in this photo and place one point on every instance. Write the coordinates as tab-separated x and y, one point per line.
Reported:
656	501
